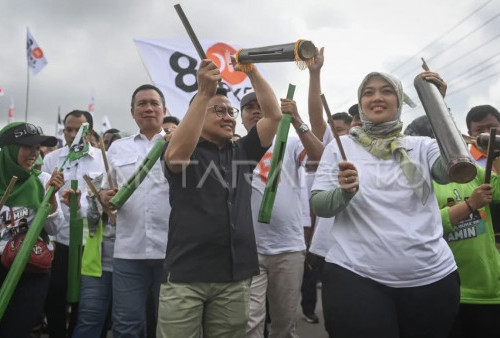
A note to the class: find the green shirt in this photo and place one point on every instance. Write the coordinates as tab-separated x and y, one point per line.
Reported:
472	241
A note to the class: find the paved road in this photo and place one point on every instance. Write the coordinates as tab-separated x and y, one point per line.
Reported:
306	330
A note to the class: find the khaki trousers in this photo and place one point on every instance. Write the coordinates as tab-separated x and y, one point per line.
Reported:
218	309
280	279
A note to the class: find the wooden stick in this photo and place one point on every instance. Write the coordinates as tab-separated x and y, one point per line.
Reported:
190	31
7	191
424	65
491	155
111	214
192	36
106	164
330	119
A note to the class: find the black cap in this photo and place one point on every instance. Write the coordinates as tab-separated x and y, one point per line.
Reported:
247	99
25	134
354	110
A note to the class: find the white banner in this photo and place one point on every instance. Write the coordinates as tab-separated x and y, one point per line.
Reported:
172	66
36	59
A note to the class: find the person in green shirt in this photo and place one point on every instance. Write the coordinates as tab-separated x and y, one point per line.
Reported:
468	230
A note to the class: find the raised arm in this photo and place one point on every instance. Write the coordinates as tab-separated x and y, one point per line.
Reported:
271	112
318	123
187	134
312	145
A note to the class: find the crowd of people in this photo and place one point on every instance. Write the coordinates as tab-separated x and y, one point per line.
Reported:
399	249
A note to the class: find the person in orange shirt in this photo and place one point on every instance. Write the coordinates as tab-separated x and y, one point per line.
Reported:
480	119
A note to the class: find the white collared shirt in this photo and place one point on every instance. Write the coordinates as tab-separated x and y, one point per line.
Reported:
90	164
285	233
142	222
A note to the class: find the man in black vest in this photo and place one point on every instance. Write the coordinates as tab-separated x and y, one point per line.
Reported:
211	253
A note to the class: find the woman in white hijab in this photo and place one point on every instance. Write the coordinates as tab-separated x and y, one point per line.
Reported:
389	273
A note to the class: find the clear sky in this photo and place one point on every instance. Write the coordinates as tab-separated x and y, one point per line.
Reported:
90	50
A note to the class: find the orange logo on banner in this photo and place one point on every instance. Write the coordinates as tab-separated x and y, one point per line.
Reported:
220	54
37	53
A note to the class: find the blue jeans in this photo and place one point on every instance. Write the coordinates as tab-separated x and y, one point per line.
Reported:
133	280
95	301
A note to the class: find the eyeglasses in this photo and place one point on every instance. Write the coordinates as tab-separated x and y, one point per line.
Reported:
28	129
221	111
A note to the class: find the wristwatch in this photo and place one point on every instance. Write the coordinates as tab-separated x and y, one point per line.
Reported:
303	128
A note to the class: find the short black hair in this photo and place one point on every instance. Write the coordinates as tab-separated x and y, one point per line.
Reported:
111	131
342	116
95	134
171	119
114	137
220	91
79	113
478	113
147	87
421	126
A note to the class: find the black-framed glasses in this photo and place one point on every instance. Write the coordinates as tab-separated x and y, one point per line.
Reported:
28	129
221	111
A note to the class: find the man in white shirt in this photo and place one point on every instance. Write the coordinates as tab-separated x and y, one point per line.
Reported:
92	165
280	244
142	222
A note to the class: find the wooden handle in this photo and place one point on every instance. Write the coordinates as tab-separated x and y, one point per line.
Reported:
106	164
424	65
7	191
111	214
190	31
491	155
330	119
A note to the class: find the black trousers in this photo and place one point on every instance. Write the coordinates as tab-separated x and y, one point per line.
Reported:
26	304
477	320
360	307
308	289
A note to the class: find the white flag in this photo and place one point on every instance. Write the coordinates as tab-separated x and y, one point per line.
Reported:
91	105
36	59
11	111
172	65
106	125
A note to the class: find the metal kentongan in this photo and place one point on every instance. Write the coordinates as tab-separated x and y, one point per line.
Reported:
461	167
278	53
